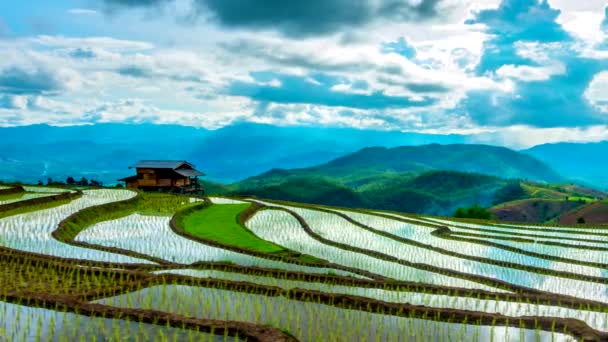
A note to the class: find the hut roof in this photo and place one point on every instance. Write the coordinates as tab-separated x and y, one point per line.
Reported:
160	164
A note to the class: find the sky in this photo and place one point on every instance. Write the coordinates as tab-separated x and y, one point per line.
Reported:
511	72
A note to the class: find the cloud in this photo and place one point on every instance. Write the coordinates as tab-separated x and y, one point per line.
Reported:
427	87
16	80
92	42
527	73
301	18
523	136
400	47
135	71
294	89
532	49
516	21
82	11
597	92
83	53
13	102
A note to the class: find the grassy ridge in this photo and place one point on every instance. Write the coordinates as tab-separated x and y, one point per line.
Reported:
143	203
220	223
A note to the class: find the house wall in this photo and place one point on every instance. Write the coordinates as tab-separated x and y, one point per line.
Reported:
146	177
132	185
159	178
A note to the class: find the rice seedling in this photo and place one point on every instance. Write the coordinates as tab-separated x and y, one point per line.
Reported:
152	236
315	322
224	200
404	281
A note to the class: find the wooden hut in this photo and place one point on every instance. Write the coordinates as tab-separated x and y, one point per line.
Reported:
164	175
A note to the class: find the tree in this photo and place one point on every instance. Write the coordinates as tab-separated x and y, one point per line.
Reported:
475	212
94	183
40	183
49	181
580	220
118	185
510	192
84	181
70	181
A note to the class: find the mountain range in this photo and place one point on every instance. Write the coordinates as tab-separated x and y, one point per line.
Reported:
431	179
425	173
582	163
233	153
229	154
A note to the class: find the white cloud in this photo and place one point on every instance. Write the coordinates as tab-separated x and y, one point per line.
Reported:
82	11
527	73
582	19
185	69
95	42
597	92
521	136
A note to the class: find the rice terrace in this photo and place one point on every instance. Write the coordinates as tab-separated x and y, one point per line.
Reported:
303	170
117	264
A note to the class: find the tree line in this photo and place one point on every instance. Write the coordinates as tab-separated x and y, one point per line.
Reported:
72	181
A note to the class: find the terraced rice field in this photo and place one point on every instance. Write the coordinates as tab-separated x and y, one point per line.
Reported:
117	265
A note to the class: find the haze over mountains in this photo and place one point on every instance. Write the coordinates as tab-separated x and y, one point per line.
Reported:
233	153
431	179
583	163
229	154
410	172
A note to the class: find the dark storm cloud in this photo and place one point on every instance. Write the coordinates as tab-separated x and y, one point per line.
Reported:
301	18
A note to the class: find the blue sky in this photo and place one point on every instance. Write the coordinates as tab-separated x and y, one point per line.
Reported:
512	72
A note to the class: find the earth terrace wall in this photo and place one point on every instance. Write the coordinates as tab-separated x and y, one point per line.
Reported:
484	280
574	327
450	235
6	208
516	231
475	278
539	299
518	225
11	191
248	331
4	251
480	279
582	330
539	270
71	226
577	328
177	227
407	218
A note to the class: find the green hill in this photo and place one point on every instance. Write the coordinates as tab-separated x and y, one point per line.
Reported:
434	192
430	179
491	160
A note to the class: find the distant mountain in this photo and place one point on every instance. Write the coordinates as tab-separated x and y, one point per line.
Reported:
243	150
433	192
104	151
374	161
430	179
585	163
